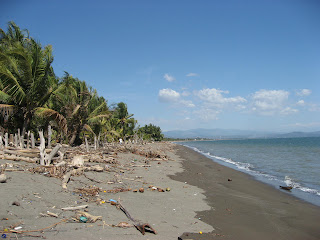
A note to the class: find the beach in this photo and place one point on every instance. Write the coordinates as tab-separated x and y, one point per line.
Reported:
244	208
185	195
29	196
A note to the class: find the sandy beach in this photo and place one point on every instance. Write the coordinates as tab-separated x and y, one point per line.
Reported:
201	203
245	208
170	213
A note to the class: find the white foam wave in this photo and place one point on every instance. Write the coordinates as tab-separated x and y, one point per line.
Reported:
290	182
249	168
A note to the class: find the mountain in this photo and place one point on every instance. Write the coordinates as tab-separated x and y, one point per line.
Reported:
233	133
214	133
299	134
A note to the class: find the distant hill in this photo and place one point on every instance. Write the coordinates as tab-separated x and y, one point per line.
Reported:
233	133
299	134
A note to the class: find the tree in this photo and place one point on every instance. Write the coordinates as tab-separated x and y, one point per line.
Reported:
27	79
81	106
124	121
151	132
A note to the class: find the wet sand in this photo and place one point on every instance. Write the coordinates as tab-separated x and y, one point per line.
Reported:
245	208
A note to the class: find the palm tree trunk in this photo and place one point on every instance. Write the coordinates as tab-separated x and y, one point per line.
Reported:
73	138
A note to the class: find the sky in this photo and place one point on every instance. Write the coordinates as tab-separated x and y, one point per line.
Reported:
249	65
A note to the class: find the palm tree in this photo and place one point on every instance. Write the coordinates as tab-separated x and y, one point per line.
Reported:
13	35
26	76
125	121
81	106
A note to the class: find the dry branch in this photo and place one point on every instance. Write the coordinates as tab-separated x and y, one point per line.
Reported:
74	208
140	226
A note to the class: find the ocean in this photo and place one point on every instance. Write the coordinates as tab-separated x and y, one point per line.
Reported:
280	161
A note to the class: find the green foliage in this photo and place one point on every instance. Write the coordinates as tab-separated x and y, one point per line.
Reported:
123	122
151	132
26	76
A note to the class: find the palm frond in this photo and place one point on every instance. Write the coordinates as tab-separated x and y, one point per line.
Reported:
4	97
92	119
102	107
76	109
115	133
12	85
52	115
88	128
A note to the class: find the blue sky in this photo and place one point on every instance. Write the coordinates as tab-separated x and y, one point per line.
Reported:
189	64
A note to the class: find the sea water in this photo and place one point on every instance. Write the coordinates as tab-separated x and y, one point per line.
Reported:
279	162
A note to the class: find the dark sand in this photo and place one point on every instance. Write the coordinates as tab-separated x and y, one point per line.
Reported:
245	208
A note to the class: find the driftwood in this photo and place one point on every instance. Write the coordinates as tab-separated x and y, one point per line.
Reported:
52	214
33	145
19	139
45	159
6	140
21	153
3	178
288	188
87	145
67	176
42	148
74	208
17	158
77	161
142	227
54	151
28	140
62	163
141	165
49	136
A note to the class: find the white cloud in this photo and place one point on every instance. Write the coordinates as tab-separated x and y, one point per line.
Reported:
168	95
270	102
168	77
303	92
192	75
171	96
288	110
301	103
187	103
215	98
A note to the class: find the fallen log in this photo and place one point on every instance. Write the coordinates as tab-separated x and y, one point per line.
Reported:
17	158
21	153
142	227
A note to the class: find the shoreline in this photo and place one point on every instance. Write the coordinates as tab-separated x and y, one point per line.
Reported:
245	208
275	183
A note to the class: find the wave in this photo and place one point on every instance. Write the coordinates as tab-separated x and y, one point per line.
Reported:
249	168
290	182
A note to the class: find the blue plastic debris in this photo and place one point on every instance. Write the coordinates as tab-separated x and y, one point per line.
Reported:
83	219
